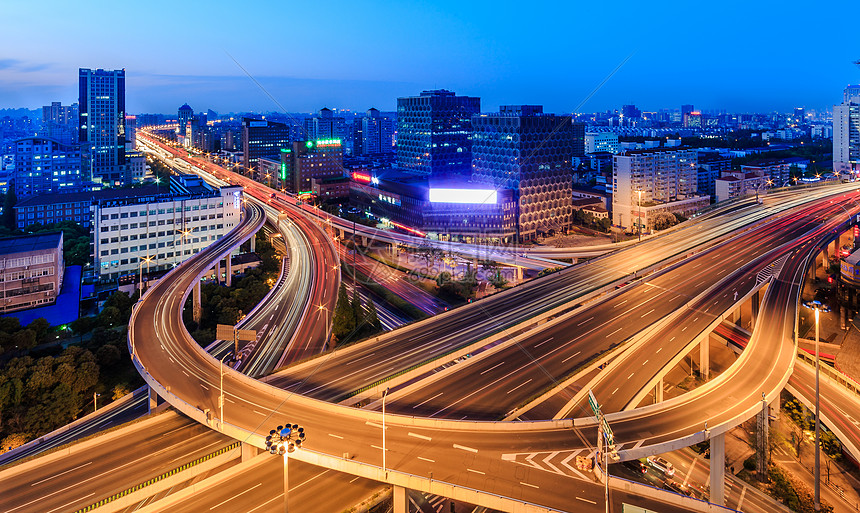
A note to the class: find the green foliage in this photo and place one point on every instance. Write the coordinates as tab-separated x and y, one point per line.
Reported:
76	240
462	289
549	270
343	322
793	494
588	220
493	273
664	220
352	320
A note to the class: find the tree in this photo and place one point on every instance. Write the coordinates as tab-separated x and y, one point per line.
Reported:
9	202
373	317
357	310
663	220
343	322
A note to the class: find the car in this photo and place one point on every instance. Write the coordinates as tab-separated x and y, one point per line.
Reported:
662	465
636	466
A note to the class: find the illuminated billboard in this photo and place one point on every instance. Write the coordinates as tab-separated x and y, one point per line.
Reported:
470	196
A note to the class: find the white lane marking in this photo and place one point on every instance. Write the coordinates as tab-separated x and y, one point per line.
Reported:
463	447
614	332
427	400
518	386
416	435
619	304
631	375
646	313
426	459
586	500
69	504
375	424
643	363
355	479
186	374
741	500
542	343
491	368
243	492
326	471
583	322
380	448
476	471
335	436
259	412
571	356
526	484
613	392
659	349
61	473
273	499
204	386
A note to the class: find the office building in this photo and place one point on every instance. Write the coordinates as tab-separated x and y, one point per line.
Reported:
101	105
263	138
846	132
686	109
73	206
712	165
184	115
60	122
325	126
522	149
434	133
601	141
307	160
130	132
46	166
156	232
778	170
654	180
31	270
373	134
631	112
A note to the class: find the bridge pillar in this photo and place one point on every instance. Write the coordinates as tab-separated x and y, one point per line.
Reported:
254	243
401	500
228	260
718	469
152	399
754	306
248	451
762	448
705	358
196	306
658	392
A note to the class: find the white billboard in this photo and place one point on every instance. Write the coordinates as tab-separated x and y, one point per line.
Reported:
471	196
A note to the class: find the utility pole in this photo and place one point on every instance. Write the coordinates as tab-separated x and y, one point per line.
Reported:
817	502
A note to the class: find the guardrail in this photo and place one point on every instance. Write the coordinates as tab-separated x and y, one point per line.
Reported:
158	478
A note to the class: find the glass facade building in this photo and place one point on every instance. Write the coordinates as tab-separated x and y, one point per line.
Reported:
101	106
434	133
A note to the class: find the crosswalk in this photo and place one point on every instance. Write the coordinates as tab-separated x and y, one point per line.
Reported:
771	270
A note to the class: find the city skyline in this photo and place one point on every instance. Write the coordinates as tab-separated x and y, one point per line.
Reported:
372	55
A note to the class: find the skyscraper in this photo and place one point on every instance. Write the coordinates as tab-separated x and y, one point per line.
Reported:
434	133
373	134
60	122
846	132
523	149
325	126
184	115
101	102
263	138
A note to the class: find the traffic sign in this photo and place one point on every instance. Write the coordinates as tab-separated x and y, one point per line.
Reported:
592	401
224	332
248	335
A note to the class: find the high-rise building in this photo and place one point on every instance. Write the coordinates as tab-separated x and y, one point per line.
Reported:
373	134
434	133
307	160
325	126
46	166
523	149
184	115
263	138
60	122
630	112
646	182
686	109
101	104
130	132
846	132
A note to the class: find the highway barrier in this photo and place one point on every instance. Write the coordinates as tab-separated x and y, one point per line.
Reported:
179	471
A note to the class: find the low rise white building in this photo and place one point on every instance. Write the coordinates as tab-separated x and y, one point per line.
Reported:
156	232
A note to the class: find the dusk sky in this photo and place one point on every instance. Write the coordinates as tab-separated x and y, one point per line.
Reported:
734	55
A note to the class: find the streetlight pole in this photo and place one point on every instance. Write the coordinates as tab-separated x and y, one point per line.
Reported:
384	395
221	397
817	502
283	441
95	405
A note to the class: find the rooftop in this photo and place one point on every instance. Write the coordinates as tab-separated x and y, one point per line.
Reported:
89	196
29	243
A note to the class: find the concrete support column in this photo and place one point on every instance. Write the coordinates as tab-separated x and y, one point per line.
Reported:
153	398
754	306
254	243
718	469
401	500
658	392
248	451
197	307
228	261
736	315
762	449
705	358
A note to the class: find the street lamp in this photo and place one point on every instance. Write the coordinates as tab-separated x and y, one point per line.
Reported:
384	395
817	502
140	262
283	441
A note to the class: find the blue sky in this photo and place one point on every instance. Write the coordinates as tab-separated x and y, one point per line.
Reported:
739	56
